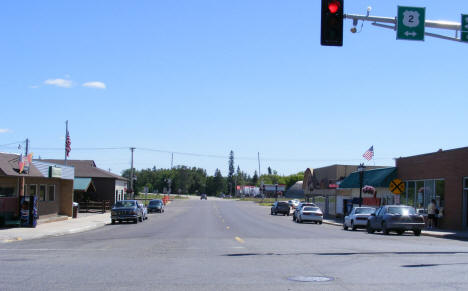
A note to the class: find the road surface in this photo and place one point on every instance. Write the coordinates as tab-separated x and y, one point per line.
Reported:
231	245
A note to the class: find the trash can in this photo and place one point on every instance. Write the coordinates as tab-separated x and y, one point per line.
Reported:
75	209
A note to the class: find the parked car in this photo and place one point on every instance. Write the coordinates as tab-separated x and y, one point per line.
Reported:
358	218
293	203
156	205
144	211
203	196
298	208
310	213
399	218
126	210
280	207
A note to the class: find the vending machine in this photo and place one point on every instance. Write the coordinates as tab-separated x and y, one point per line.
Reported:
29	211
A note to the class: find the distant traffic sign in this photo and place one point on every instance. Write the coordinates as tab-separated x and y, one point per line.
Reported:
397	186
464	28
410	23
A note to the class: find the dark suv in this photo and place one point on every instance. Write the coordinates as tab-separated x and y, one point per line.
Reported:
280	207
126	210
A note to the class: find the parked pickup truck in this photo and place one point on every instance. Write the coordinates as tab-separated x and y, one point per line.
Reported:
126	210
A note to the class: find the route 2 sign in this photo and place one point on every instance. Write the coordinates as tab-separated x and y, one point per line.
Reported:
410	24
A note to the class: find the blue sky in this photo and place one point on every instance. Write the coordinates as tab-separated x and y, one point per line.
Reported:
207	77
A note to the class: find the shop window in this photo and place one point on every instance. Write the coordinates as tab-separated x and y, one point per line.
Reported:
466	183
42	192
6	191
410	193
419	194
32	190
51	192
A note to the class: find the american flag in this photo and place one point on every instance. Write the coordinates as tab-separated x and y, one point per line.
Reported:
68	144
369	154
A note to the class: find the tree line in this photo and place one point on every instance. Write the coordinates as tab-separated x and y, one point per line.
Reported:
192	180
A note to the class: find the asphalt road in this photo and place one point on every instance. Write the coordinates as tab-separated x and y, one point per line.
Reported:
231	245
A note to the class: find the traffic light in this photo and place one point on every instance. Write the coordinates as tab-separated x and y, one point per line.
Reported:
332	23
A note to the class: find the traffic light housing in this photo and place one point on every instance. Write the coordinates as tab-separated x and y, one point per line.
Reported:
332	23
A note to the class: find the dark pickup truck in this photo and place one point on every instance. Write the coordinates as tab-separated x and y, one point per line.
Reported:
280	207
126	210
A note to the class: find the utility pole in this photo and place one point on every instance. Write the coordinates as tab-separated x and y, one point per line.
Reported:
172	160
131	174
258	154
27	146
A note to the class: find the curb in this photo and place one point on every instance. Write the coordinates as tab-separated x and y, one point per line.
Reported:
332	223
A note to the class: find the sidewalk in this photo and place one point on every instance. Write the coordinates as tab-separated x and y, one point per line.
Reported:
58	228
440	233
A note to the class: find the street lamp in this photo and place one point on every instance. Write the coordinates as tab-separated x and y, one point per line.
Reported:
360	169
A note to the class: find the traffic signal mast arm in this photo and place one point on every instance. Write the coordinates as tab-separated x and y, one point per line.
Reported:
379	21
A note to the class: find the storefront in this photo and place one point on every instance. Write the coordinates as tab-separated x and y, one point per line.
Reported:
52	187
441	176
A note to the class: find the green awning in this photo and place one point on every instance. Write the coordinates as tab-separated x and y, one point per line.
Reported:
375	178
82	184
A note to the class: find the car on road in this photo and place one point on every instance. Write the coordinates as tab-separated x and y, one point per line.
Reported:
156	205
126	210
203	196
399	218
280	207
144	211
357	218
310	213
293	203
298	208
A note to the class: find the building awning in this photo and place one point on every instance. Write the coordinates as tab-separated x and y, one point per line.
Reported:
83	184
375	178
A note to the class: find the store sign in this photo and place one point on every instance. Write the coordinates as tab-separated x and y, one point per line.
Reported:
55	172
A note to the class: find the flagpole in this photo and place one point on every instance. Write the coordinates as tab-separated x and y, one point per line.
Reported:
66	135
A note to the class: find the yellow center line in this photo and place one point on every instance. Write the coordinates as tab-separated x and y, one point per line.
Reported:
239	239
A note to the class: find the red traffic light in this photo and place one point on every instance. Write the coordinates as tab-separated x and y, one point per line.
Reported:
333	6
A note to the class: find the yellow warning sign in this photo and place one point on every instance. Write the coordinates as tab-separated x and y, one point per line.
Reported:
397	186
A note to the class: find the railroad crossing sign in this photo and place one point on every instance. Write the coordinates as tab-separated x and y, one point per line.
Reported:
410	24
464	28
397	186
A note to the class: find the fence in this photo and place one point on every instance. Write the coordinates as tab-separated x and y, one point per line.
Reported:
94	206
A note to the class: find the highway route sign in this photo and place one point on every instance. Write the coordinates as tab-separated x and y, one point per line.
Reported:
464	28
410	24
397	186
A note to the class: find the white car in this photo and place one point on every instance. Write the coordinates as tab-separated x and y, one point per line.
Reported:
310	213
293	203
358	218
144	211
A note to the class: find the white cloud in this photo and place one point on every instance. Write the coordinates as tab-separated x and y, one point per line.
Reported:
95	84
59	83
34	87
4	130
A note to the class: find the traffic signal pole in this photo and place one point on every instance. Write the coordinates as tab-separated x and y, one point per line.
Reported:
379	21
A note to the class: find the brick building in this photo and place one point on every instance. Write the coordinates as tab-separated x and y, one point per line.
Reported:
443	176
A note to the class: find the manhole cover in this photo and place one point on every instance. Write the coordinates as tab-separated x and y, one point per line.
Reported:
310	279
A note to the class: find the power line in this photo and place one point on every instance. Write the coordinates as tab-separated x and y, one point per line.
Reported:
8	144
202	155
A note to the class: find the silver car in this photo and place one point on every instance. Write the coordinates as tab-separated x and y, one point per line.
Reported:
310	213
144	211
358	218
